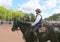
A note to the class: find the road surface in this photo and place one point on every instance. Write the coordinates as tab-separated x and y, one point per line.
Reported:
6	35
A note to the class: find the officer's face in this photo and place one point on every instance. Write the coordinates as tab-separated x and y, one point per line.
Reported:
36	12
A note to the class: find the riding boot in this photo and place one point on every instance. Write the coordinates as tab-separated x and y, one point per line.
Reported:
36	40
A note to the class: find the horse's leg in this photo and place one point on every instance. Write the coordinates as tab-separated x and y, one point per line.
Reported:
58	37
59	40
42	37
30	38
54	38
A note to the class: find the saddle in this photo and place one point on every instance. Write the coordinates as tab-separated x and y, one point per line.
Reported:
42	29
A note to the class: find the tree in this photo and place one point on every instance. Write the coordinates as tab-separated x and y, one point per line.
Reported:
9	14
32	16
53	17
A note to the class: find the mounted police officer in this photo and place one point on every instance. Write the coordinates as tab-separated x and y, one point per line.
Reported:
37	23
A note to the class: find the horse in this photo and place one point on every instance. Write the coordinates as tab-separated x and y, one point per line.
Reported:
56	29
28	35
24	27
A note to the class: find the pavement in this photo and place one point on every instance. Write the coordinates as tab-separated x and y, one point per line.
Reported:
6	35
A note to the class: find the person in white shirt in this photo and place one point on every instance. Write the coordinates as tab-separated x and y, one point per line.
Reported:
37	23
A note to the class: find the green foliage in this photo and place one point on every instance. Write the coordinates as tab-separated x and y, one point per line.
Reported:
9	14
32	16
2	12
54	17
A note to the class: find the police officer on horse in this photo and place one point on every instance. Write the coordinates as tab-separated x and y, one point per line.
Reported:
37	23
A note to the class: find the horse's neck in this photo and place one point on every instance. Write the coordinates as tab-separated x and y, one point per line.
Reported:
23	26
23	29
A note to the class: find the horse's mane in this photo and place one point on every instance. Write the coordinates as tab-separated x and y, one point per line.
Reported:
24	22
23	25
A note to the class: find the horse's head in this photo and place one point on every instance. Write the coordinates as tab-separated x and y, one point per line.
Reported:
23	26
15	25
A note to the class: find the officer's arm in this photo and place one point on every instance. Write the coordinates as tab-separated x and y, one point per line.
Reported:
36	21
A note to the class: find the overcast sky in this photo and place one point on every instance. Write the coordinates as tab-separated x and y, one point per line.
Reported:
48	7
